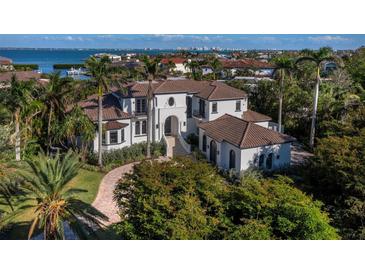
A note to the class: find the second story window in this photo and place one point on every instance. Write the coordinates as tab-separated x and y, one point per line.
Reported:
141	106
214	107
238	105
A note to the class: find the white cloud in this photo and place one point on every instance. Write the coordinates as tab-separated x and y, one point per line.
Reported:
328	38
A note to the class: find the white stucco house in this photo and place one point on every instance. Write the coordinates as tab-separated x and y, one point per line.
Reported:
179	64
230	135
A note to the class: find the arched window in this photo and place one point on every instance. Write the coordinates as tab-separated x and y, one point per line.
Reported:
171	101
204	143
269	161
232	159
261	161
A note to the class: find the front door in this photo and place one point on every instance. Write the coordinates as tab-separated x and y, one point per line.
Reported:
168	126
213	152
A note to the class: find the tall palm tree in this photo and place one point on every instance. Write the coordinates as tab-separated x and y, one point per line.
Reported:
194	67
151	71
283	65
318	58
16	98
54	204
98	68
216	66
53	97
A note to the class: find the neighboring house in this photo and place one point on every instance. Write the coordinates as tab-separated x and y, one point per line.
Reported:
5	77
257	67
179	64
6	64
182	107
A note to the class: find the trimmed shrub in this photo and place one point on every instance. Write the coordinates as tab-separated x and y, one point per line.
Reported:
135	152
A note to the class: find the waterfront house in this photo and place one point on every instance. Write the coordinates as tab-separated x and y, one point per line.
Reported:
230	135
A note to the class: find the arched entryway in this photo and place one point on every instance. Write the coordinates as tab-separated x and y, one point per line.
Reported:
213	152
171	126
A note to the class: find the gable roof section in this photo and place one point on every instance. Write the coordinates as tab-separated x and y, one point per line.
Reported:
111	108
241	133
255	117
208	90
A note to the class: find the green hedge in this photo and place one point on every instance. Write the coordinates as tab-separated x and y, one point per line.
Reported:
68	66
25	66
135	152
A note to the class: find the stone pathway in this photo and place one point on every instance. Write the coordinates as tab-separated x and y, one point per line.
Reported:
104	201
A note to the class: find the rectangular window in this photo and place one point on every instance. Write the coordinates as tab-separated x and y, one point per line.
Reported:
122	136
113	137
103	140
144	127
138	128
140	105
189	107
238	105
214	107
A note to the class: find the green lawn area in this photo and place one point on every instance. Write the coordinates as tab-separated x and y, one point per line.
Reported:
86	180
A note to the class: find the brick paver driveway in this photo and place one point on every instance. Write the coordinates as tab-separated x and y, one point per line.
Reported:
104	201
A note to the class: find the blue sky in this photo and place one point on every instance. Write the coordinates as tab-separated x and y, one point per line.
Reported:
244	41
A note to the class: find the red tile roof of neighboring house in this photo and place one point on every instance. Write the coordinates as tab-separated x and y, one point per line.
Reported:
20	75
253	116
5	61
175	60
115	125
245	63
209	90
241	133
111	108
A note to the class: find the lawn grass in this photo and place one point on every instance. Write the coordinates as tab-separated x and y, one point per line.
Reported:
85	180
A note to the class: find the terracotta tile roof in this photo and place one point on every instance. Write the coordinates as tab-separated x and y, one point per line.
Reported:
245	63
5	61
241	133
111	108
253	116
20	75
115	125
209	90
175	60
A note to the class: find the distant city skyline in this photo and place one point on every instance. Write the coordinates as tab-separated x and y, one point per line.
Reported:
173	41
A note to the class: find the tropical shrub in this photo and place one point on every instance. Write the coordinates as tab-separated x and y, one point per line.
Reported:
336	175
187	199
135	152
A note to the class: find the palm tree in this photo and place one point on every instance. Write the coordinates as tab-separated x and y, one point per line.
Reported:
318	58
53	97
151	71
54	203
283	65
194	67
98	68
16	98
216	66
75	124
